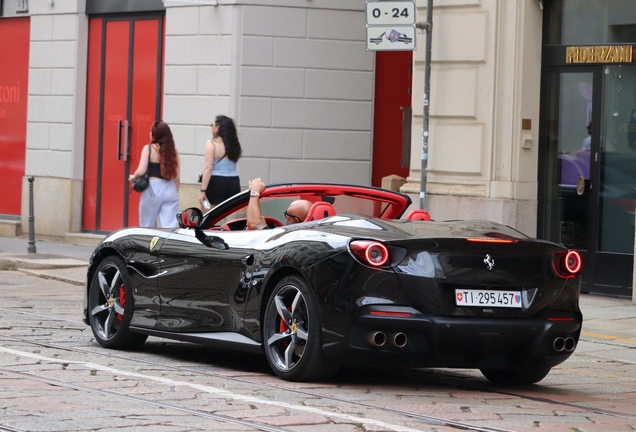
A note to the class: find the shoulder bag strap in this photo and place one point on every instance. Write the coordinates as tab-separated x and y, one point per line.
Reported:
147	168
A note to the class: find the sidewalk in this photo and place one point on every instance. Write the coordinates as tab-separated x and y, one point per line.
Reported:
60	261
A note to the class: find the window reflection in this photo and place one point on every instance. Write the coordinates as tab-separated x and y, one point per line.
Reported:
618	160
568	157
583	22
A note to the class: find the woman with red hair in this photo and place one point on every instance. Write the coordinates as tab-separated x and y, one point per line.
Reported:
161	198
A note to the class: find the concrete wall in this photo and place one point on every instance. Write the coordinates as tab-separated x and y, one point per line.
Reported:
56	212
486	69
293	74
198	78
56	113
297	81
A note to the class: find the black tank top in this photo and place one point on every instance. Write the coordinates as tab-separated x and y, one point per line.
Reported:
154	169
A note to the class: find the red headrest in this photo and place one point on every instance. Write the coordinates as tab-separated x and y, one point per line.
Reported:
417	214
320	210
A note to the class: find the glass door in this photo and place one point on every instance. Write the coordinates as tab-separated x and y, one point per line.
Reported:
588	178
616	156
566	209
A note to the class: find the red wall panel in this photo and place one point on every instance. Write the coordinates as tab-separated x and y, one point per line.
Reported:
14	77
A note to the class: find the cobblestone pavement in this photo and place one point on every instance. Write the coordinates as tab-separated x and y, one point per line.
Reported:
55	377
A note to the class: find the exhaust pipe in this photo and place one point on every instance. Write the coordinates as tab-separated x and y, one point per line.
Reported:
399	340
559	344
376	338
569	344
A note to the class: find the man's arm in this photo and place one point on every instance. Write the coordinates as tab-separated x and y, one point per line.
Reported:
255	220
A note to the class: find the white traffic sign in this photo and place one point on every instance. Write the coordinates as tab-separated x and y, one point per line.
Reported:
391	38
390	13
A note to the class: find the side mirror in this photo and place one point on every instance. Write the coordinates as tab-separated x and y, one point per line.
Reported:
189	218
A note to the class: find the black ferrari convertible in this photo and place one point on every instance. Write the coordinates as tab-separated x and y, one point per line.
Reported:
356	283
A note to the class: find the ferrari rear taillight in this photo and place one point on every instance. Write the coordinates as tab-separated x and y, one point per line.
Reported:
371	253
567	264
573	262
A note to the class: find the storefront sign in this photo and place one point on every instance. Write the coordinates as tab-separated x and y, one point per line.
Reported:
599	54
627	127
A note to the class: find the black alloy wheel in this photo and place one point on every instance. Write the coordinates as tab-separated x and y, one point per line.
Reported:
292	333
515	376
110	306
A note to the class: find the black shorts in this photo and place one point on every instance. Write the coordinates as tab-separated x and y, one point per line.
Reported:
221	188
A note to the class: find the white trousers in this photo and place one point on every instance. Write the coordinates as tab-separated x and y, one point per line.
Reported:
160	199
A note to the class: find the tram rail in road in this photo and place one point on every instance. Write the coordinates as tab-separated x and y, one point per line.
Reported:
41	318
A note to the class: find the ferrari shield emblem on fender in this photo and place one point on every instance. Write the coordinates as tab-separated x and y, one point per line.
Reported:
490	263
153	242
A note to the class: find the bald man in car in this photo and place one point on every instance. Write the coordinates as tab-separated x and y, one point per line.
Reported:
296	212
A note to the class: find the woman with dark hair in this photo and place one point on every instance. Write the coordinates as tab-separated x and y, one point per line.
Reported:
161	160
219	178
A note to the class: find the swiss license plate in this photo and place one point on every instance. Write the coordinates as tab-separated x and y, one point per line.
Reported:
507	299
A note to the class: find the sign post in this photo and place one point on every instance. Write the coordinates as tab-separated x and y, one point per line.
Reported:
428	26
391	26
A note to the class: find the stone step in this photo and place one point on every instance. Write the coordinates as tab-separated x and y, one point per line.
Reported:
10	228
84	239
71	275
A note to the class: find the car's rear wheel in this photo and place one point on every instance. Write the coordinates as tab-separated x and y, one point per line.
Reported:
515	376
110	306
292	333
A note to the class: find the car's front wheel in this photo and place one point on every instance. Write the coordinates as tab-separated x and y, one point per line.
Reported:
515	376
292	333
110	306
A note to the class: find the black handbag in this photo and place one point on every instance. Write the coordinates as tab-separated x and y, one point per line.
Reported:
141	183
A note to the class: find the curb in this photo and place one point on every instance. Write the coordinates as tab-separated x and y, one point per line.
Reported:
8	265
59	277
46	262
69	270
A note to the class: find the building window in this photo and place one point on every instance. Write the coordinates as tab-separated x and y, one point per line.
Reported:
586	22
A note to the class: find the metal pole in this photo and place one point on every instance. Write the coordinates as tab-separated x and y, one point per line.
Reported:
31	217
427	90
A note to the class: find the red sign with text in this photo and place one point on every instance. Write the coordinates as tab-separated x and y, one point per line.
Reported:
14	74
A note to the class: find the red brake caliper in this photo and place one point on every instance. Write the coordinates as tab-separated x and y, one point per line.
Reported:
282	326
122	301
